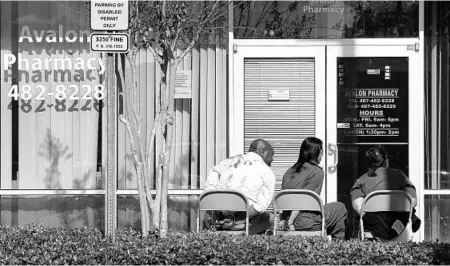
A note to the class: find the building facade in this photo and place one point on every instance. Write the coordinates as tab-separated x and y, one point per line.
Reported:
355	74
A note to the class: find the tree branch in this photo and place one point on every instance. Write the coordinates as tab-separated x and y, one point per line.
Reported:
130	112
219	12
149	157
136	115
151	136
138	165
130	132
163	10
157	56
196	37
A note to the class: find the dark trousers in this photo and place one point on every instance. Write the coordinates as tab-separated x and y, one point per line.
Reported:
380	224
335	220
258	224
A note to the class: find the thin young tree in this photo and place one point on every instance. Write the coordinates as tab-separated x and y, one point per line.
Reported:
169	30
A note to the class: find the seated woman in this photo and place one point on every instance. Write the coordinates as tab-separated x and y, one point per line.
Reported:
384	225
307	174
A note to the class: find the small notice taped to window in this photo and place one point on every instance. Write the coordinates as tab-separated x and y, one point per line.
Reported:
279	95
373	72
343	125
183	81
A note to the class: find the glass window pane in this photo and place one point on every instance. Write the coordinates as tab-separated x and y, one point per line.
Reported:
352	165
53	133
53	210
437	217
373	96
373	110
325	19
437	96
182	211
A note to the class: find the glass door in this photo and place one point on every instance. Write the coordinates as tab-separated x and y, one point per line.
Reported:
370	101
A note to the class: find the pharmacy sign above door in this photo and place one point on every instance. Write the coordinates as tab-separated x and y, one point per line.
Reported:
108	15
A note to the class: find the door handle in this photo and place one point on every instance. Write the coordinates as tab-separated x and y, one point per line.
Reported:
333	150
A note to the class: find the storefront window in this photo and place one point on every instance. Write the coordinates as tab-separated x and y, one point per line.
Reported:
52	98
182	212
53	116
437	120
53	210
437	94
325	19
53	111
437	217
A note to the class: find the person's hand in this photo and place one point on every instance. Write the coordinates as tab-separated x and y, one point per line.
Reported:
228	223
228	220
281	225
290	226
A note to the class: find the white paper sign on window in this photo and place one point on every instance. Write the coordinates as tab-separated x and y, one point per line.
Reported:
183	84
279	95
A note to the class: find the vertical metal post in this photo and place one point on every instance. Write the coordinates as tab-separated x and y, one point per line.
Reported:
435	118
111	142
230	95
421	124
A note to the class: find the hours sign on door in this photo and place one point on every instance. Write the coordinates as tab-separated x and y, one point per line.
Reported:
372	100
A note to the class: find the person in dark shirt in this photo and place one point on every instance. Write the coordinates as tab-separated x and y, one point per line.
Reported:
385	225
307	174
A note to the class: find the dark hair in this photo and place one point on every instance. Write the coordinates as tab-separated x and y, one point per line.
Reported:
309	153
376	157
259	145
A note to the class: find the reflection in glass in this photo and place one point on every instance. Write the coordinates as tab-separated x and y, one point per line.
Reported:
325	19
437	95
372	94
182	211
352	165
437	217
54	210
54	139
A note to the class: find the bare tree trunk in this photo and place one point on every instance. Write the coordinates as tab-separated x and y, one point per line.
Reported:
150	166
145	219
154	211
132	124
161	108
169	138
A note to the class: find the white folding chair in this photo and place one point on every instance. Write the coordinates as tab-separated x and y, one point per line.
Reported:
299	200
387	200
224	199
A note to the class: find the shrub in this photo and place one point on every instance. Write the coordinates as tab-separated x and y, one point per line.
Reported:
38	245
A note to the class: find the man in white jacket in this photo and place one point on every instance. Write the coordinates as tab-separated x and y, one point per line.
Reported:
250	174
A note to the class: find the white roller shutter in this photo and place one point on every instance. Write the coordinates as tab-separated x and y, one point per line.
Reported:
284	123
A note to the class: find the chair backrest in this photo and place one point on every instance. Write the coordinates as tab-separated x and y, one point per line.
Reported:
223	199
386	200
300	200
